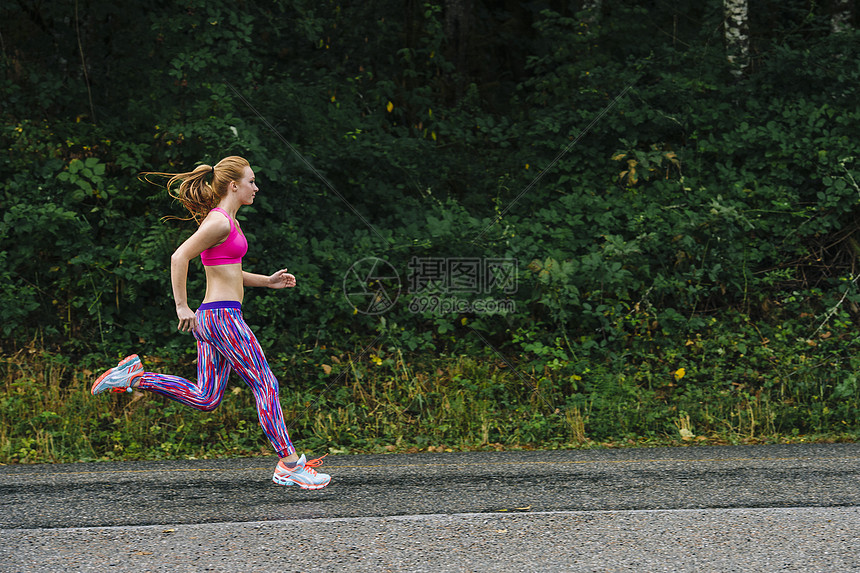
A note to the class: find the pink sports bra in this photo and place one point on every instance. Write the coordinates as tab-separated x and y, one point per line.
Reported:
230	251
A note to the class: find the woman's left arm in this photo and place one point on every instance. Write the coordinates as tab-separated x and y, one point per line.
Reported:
281	279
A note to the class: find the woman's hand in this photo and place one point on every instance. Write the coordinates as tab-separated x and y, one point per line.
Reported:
282	279
187	319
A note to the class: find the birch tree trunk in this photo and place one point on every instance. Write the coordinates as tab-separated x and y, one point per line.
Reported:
841	15
592	9
737	35
590	15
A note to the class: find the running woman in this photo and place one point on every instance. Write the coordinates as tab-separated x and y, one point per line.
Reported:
224	341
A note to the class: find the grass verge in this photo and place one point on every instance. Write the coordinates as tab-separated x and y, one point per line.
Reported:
392	403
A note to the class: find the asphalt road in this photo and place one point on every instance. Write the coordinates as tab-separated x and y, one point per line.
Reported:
741	508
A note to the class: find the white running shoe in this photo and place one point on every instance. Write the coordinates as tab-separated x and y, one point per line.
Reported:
119	378
303	475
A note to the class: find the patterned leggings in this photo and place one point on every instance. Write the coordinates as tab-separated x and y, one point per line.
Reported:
225	343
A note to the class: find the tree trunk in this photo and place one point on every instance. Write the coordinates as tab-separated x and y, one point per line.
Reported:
841	15
457	24
592	9
737	35
591	15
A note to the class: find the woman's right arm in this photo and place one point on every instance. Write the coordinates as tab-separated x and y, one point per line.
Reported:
178	277
211	232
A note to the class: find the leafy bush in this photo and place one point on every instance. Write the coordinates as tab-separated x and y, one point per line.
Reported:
662	214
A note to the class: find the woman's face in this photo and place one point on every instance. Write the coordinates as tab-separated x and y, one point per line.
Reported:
246	187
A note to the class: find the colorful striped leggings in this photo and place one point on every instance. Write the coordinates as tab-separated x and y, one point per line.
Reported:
225	343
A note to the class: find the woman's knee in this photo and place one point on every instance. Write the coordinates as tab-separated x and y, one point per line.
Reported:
208	406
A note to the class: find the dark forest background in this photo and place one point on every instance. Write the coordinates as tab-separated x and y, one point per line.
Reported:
680	204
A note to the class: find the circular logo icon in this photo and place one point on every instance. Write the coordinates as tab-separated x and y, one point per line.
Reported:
371	286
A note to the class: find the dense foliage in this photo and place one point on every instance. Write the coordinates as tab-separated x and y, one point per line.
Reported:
685	241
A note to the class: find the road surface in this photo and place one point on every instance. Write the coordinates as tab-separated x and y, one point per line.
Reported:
739	508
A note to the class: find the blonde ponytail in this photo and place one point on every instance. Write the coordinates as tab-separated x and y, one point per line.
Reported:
195	192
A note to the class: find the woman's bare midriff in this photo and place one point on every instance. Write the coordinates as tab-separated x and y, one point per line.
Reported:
224	283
